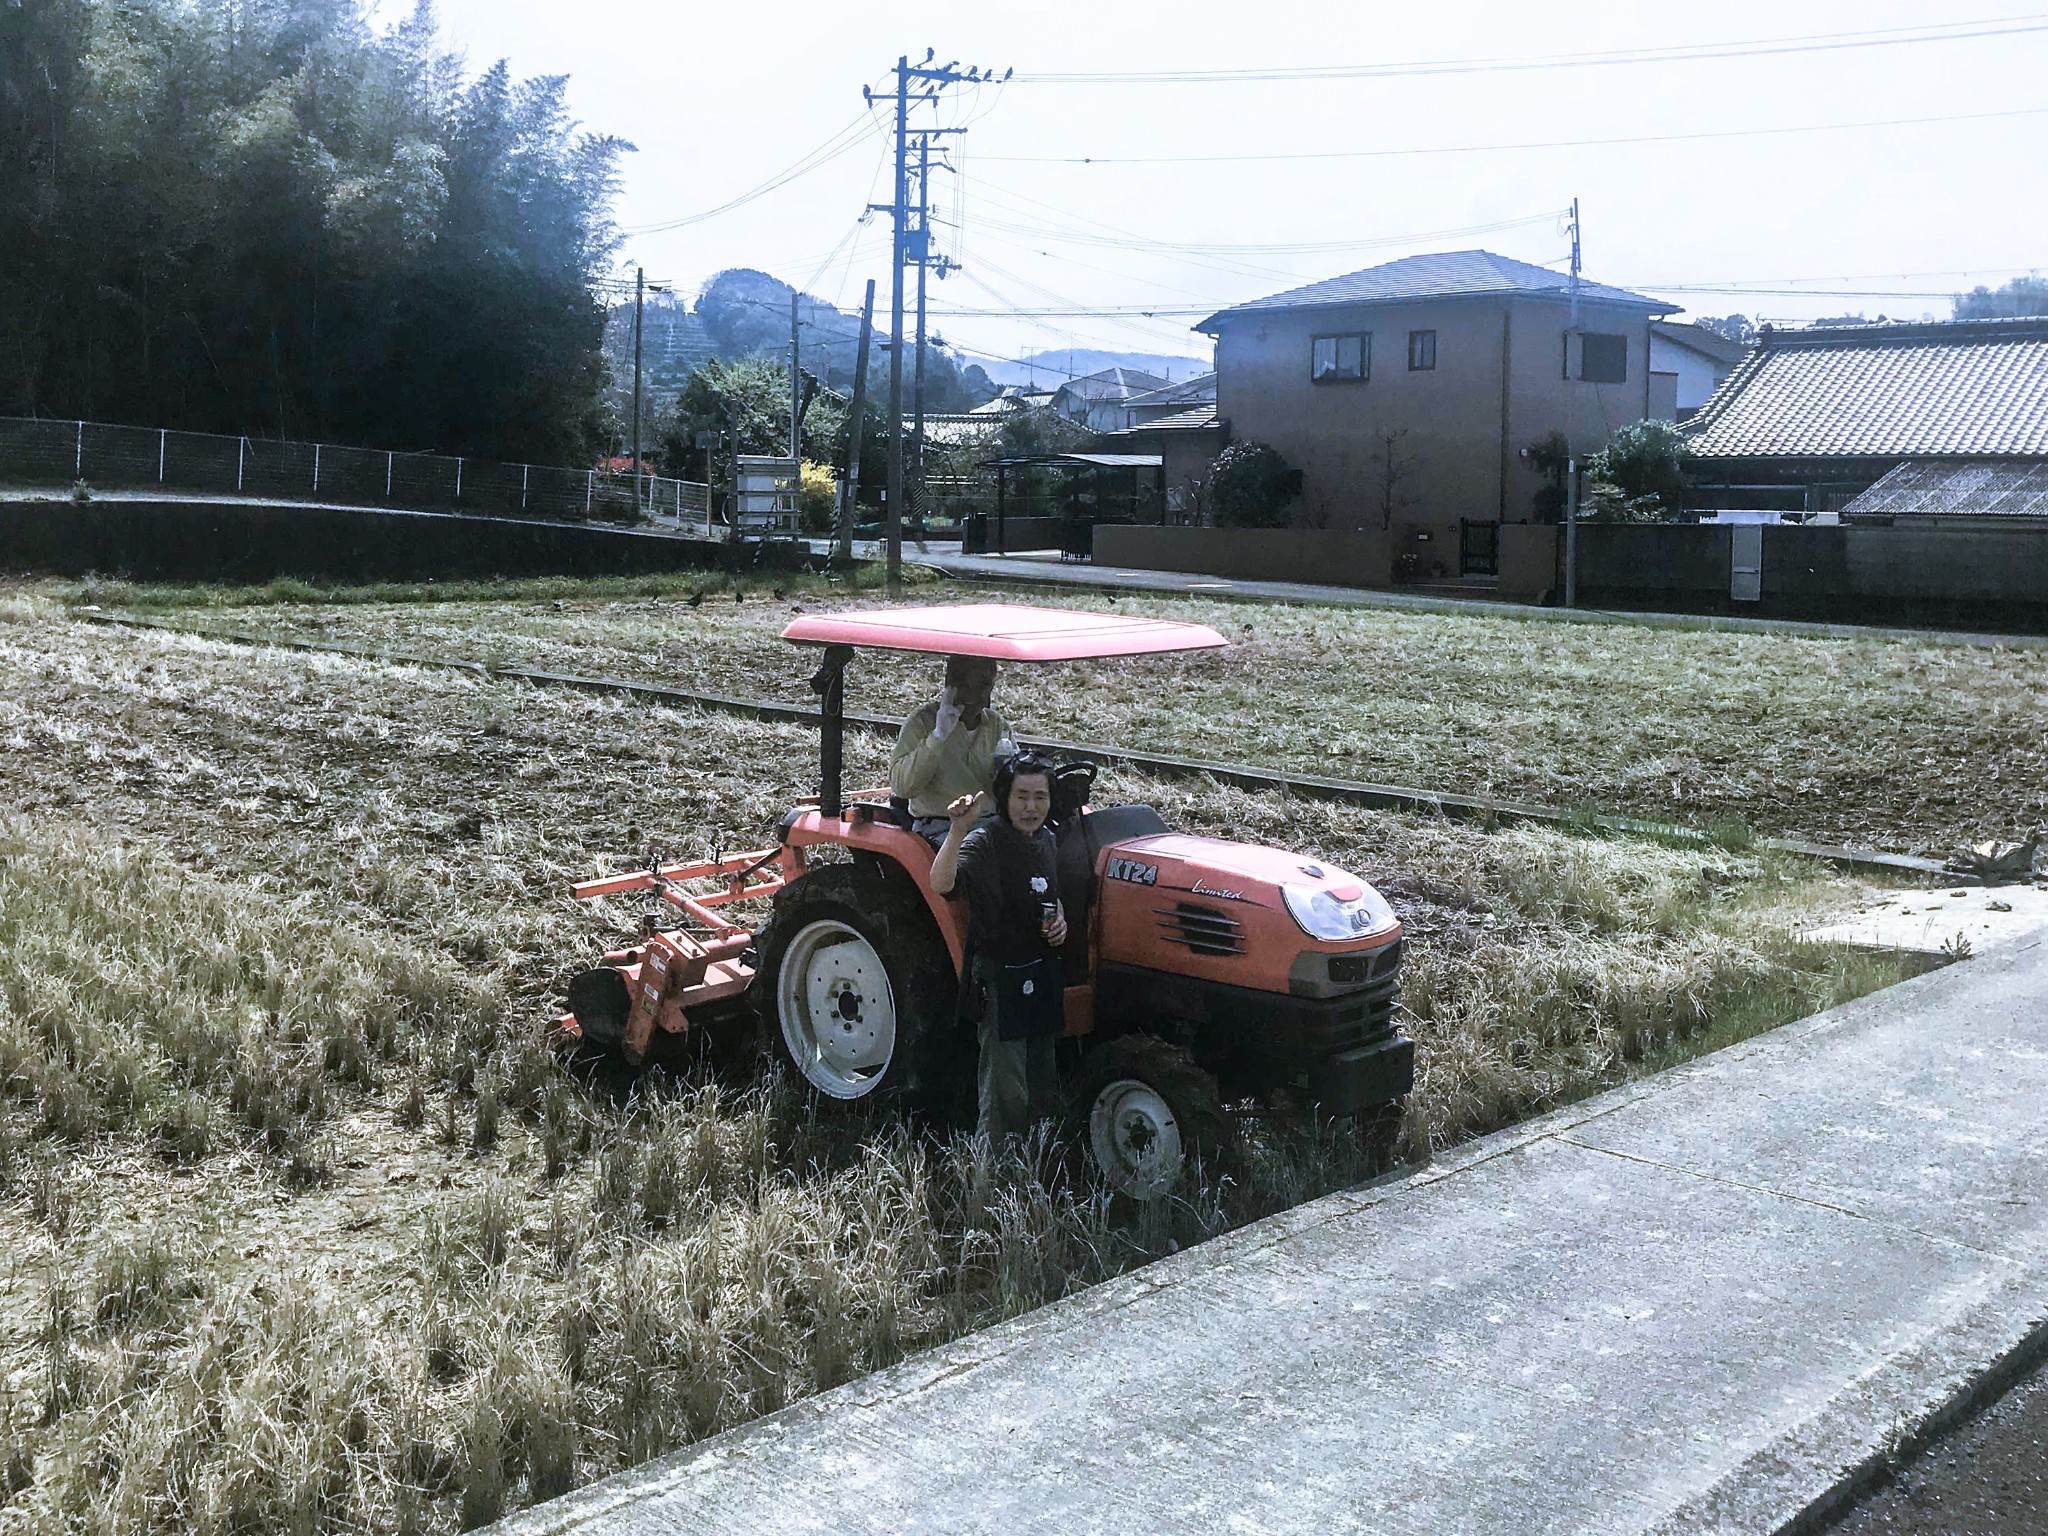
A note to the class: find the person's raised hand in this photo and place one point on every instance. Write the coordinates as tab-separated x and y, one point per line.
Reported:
948	716
968	808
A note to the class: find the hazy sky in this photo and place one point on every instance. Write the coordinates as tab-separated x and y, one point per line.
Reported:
719	98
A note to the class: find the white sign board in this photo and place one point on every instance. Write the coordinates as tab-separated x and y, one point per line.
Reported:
764	495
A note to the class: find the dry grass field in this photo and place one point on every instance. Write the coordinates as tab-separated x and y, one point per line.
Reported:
309	1229
1909	746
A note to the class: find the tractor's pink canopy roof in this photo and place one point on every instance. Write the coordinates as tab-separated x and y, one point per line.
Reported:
1003	632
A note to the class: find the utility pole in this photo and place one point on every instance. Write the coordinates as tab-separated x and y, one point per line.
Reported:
849	504
639	298
922	255
1571	460
796	449
892	525
924	261
934	79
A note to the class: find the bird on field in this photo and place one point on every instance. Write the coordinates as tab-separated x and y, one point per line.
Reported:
697	599
738	595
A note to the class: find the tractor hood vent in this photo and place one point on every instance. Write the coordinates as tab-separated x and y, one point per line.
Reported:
1204	930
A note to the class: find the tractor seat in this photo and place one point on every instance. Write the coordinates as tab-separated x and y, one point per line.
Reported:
1081	842
894	814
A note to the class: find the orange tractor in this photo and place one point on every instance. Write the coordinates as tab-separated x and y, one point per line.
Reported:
1199	971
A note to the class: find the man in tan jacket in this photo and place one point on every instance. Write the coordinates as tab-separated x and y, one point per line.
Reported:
949	746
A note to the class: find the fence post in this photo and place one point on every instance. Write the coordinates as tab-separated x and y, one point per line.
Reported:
241	456
679	506
387	476
78	460
458	479
316	469
524	471
589	490
163	437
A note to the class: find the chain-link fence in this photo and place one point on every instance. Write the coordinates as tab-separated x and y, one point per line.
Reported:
132	458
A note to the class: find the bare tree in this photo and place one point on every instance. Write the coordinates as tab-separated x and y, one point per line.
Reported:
1393	470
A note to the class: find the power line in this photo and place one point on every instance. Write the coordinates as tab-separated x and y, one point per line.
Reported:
838	144
1489	149
1277	248
1819	42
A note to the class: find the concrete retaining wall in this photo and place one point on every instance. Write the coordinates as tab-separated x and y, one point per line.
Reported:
1018	533
1528	561
1958	576
213	541
1351	558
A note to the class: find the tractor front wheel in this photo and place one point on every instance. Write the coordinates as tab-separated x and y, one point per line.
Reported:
1145	1112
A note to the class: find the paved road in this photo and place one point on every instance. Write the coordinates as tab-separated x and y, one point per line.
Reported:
1698	1304
1989	1477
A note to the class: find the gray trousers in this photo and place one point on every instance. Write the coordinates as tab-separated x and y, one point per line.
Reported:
1018	1081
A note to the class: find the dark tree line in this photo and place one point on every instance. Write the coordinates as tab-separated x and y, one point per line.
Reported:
266	217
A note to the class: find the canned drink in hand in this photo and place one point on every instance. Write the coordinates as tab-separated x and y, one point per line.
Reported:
1047	911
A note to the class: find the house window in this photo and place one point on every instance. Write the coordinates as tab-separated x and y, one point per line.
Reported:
1421	350
1603	359
1334	359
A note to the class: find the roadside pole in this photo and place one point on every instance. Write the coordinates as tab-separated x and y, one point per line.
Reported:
892	515
849	491
639	298
923	258
796	450
1571	462
1571	532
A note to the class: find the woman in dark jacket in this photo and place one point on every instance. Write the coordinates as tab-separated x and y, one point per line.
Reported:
1007	871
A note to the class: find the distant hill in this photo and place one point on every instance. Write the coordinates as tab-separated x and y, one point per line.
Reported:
1053	368
743	313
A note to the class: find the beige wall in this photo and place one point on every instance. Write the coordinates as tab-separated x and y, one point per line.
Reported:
1497	387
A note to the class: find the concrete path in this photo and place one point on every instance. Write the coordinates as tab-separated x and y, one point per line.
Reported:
1972	919
1698	1304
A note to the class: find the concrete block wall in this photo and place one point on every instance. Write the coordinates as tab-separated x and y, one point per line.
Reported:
1352	558
203	541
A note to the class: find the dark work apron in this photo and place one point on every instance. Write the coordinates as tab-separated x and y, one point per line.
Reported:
1017	974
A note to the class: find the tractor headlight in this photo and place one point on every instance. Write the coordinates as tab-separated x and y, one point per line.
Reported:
1323	916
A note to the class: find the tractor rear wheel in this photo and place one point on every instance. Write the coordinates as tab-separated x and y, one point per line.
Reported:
858	984
1145	1112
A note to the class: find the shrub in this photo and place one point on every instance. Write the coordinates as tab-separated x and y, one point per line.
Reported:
1252	486
1640	475
817	497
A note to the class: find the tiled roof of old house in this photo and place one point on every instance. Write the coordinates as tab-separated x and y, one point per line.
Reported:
1198	418
1957	488
1447	274
1953	389
1117	383
1194	391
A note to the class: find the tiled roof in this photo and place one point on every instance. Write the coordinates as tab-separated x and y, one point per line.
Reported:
1710	343
1118	383
1194	391
1199	418
1957	488
1946	389
1448	274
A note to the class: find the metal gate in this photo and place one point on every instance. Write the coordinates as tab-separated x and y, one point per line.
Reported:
1478	547
1746	563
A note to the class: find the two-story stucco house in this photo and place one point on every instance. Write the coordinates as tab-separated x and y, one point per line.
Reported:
1452	365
